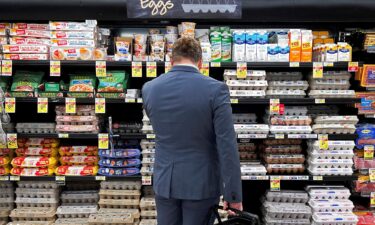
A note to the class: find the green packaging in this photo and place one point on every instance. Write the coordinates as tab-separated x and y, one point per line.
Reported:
52	87
115	81
215	38
226	47
25	81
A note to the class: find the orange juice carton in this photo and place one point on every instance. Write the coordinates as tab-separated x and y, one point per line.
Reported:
295	45
344	52
239	46
307	42
262	40
251	47
330	53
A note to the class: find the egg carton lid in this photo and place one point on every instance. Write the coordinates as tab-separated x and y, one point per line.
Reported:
343	217
120	192
330	171
31	223
33	212
71	221
135	212
251	126
35	126
47	191
79	197
82	209
146	213
247	83
244	115
331	203
270	220
318	162
111	218
253	169
333	144
247	93
148	222
333	153
148	151
278	128
119	202
287	194
342	93
337	119
285	156
250	73
286	92
287	83
147	201
6	185
280	207
336	81
37	200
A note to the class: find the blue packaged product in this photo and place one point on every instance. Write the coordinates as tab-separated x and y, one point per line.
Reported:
118	171
366	131
120	153
106	162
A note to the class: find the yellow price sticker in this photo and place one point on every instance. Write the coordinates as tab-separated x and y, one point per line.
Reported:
42	105
369	152
103	141
6	67
353	66
317	70
234	100
130	100
10	105
101	68
279	136
70	105
63	135
275	183
371	173
274	106
14	178
59	178
12	141
372	199
99	105
318	178
151	69
241	70
100	178
215	64
167	67
54	68
136	69
320	101
150	136
205	69
323	141
294	64
328	64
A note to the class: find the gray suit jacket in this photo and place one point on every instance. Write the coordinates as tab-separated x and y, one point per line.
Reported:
196	148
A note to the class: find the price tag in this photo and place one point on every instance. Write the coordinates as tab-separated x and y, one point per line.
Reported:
103	140
252	136
353	66
318	178
100	178
275	183
150	136
99	105
4	178
140	100
167	67
205	69
12	141
14	178
146	180
302	136
320	101
369	152
6	67
54	68
130	100
328	64
59	178
279	136
42	105
215	64
372	199
323	141
151	69
241	70
371	173
101	68
63	135
136	69
70	105
294	64
10	105
317	70
234	100
254	178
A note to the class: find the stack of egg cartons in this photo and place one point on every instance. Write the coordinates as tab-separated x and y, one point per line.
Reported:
148	207
254	85
322	110
286	85
147	127
333	84
336	160
148	154
331	205
286	207
119	203
335	124
28	42
36	203
83	121
245	124
36	128
35	157
6	201
77	204
293	121
6	156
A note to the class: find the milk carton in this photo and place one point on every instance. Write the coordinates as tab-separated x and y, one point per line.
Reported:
239	46
331	53
283	52
251	47
226	46
344	52
262	40
215	38
272	52
206	51
306	46
295	45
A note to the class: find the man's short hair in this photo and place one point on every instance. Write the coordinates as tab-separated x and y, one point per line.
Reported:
187	48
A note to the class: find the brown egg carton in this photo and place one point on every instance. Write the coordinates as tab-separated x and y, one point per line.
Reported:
135	212
71	221
31	223
147	203
81	110
248	155
282	142
120	194
291	120
149	222
5	212
37	193
82	123
33	214
121	185
111	218
37	185
246	147
148	214
119	203
283	149
287	159
285	168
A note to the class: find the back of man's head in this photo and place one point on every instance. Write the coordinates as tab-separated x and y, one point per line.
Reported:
186	49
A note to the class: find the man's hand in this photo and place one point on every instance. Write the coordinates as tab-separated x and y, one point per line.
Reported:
237	205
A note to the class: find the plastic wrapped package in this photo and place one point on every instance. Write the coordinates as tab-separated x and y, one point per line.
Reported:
275	129
336	120
110	171
34	161
288	85
77	128
251	128
79	160
287	159
336	205
119	162
120	153
252	169
317	192
361	163
36	151
327	84
333	145
76	170
291	120
334	128
347	218
38	142
251	75
287	196
247	84
330	154
78	150
332	94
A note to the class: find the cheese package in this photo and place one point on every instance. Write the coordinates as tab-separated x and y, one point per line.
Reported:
4	170
36	151
4	161
78	150
76	170
30	33
73	42
34	161
79	160
25	49
32	172
58	25
28	41
73	34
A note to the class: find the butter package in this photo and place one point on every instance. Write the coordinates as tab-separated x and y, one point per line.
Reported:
306	46
30	33
76	170
295	45
25	49
23	56
215	38
57	25
34	161
226	47
284	52
28	41
344	52
4	170
272	52
72	53
262	40
32	172
36	151
330	53
206	52
251	48
73	34
30	26
73	42
239	46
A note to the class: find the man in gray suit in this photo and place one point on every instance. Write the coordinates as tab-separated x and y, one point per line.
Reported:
196	158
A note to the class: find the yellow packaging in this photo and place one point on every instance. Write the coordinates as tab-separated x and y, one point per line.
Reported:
36	151
4	161
318	41
344	52
32	172
306	47
323	34
329	41
34	161
295	45
315	34
4	170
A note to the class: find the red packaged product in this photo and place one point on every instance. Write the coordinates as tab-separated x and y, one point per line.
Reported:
30	26
79	160
35	151
31	172
76	170
78	150
5	151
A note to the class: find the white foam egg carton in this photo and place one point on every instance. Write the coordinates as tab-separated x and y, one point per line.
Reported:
148	153
134	212
148	222
336	120
82	211
281	76
6	192
332	93
334	128
328	192
244	118
121	185
36	202
332	218
251	75
330	154
37	193
288	85
247	93
278	210
148	161
36	128
271	221
253	169
71	221
247	84
147	170
330	171
147	129
334	145
330	163
286	93
80	197
329	84
251	128
276	129
147	144
332	205
287	196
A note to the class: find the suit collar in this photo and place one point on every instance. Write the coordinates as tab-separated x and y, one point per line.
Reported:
184	68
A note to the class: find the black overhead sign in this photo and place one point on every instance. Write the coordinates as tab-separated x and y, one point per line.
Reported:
185	9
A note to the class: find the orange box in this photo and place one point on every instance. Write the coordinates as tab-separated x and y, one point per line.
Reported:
328	41
306	46
295	45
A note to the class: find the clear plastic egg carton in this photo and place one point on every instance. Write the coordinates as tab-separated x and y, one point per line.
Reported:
330	163
148	214
81	110
37	193
286	93
244	118
285	168
275	129
147	144
121	185
147	203
319	192
287	196
251	128
31	223
111	218
288	159
334	75
147	170
120	194
148	153
37	185
291	120
247	84
270	221
251	75
334	128
278	210
246	147
147	129
330	154
33	214
329	84
334	145
80	197
148	161
336	205
77	128
347	218
283	149
281	76
247	93
253	169
119	203
292	111
330	171
332	93
37	202
71	221
149	222
282	142
336	120
36	128
82	211
288	85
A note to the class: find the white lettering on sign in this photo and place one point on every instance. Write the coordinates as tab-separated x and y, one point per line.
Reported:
158	7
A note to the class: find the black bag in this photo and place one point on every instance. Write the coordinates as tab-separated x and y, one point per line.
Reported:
242	218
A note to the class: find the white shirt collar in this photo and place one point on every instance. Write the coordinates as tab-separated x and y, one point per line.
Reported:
186	64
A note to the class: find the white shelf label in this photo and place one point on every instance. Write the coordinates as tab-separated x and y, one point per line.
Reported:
252	136
302	136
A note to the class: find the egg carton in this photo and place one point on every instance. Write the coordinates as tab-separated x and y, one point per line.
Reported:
334	145
149	222
37	185
244	118
328	192
36	202
31	223
281	76
285	168
333	128
82	186
81	110
335	75
288	85
330	171
81	197
6	192
114	163
329	84
287	196
148	153
286	93
347	218
147	144
119	203
278	210
270	221
251	128
253	170
37	193
147	204
122	172
291	120
288	159
336	205
5	212
282	142
134	212
330	163
247	93
248	155
246	147
77	128
147	129
332	93
148	214
82	211
71	221
292	111
323	109
33	214
86	123
111	218
120	194
120	153
275	129
337	120
330	154
8	204
35	128
148	161
283	149
247	84
251	75
148	191
121	185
